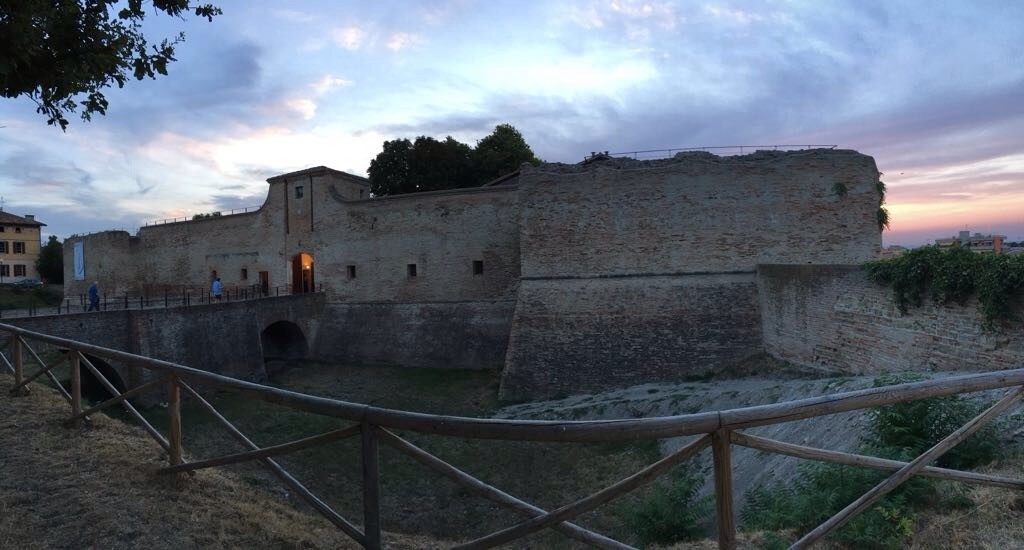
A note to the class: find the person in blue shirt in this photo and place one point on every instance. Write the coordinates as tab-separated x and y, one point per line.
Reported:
216	289
94	296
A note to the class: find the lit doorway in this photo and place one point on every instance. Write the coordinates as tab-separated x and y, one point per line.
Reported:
302	273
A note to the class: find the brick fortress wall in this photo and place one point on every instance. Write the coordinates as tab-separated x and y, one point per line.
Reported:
645	270
834	317
592	276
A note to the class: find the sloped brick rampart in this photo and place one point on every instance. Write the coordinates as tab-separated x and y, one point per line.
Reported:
582	335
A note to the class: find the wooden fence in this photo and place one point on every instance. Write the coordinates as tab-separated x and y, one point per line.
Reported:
375	426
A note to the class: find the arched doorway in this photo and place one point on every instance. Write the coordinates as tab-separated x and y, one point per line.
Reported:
282	342
302	273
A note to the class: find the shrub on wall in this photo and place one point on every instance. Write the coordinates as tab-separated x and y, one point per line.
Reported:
953	275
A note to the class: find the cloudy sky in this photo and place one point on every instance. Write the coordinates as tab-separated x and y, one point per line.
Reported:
933	90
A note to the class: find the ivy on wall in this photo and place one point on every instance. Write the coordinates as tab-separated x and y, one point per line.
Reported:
840	190
953	275
883	212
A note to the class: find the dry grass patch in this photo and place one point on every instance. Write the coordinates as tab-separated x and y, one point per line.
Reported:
97	487
995	521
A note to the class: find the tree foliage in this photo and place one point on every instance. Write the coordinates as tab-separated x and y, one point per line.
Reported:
428	164
50	264
59	52
440	164
501	153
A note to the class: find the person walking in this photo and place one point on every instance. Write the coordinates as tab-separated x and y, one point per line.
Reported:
216	289
94	296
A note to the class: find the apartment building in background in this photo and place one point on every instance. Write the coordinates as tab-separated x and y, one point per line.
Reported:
20	241
976	242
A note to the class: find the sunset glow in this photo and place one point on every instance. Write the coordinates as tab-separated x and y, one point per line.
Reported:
934	95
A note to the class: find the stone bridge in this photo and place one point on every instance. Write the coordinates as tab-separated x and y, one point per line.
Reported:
233	338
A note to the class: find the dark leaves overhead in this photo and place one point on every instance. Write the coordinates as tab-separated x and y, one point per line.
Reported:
63	53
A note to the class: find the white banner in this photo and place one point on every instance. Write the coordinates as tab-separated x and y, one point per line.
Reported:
79	262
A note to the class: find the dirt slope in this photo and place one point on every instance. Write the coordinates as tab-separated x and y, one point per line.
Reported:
97	487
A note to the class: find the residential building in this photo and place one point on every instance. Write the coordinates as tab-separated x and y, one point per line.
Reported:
20	241
892	251
977	242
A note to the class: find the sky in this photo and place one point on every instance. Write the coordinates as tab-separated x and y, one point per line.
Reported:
933	90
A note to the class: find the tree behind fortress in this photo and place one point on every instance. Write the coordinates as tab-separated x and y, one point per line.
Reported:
427	164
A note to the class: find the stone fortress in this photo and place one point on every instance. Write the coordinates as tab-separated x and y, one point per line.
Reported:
570	278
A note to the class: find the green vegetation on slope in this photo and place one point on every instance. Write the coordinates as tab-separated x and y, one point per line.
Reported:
901	432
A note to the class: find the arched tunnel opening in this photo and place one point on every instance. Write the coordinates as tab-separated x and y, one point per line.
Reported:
92	389
282	342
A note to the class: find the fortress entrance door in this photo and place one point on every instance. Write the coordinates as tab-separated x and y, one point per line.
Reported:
302	273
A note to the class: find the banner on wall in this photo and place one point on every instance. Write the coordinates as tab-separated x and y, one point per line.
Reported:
79	262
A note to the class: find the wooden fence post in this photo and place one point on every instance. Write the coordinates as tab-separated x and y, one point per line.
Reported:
724	517
76	385
174	421
16	356
371	488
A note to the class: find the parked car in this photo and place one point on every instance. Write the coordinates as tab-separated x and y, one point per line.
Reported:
28	283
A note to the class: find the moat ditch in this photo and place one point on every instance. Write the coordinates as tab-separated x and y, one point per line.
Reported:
417	502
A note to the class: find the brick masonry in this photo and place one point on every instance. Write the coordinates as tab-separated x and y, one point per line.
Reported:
222	338
583	335
644	270
834	317
439	335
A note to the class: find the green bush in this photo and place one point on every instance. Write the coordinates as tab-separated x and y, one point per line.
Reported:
901	432
953	275
913	427
821	490
671	512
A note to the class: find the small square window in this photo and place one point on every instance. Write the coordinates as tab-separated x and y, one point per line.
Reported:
478	267
2	229
17	230
351	272
245	274
298	191
411	270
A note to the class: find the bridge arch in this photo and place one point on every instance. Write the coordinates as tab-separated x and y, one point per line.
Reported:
283	340
92	389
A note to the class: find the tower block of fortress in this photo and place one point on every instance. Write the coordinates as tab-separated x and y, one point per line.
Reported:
638	272
569	277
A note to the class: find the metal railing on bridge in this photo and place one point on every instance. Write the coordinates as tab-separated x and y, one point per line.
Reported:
719	430
162	297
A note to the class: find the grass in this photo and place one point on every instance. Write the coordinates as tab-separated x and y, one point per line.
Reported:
12	297
97	487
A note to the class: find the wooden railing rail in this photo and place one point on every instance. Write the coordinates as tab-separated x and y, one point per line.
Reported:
717	430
